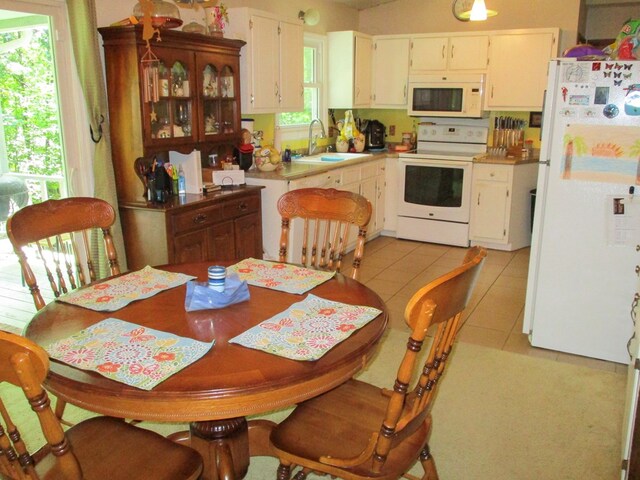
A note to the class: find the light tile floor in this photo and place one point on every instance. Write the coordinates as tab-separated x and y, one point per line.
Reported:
396	269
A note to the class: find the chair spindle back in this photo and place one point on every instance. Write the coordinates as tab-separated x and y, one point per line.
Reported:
439	304
25	365
61	234
328	215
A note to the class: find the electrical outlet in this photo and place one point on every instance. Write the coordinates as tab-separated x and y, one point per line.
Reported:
392	129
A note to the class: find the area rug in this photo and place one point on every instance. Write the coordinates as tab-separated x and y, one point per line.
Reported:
498	416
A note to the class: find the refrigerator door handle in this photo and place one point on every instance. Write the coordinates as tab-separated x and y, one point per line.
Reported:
545	162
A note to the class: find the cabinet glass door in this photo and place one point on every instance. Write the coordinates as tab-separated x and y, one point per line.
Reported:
228	101
219	105
168	113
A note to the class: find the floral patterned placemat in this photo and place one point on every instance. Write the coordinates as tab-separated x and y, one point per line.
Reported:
307	329
279	276
120	291
128	353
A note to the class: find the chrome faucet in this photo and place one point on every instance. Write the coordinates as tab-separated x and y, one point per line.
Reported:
313	140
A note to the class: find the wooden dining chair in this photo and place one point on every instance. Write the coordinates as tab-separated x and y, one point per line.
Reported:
98	448
328	215
358	431
58	234
55	237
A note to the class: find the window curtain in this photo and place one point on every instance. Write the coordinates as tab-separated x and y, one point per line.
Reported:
84	35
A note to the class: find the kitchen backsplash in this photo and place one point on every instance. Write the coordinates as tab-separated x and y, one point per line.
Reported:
389	117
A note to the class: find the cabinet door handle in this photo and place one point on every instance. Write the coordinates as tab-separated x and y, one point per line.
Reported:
637	269
491	91
443	50
478	198
277	89
200	218
452	49
243	207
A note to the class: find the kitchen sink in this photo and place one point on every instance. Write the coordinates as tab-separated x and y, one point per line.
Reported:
329	157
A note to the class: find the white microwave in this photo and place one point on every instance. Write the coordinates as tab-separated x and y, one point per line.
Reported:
446	95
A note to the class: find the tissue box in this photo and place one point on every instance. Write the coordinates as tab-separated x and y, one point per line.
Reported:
228	177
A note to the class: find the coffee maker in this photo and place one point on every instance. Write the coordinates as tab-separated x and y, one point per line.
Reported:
374	135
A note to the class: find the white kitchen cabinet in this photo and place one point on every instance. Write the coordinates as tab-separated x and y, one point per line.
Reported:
390	199
271	63
291	67
349	76
500	205
517	72
372	186
458	53
366	178
390	71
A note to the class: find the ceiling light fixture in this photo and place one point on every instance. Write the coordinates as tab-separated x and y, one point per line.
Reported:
474	10
479	11
311	17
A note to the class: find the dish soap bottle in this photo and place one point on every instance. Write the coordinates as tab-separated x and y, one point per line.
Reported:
182	183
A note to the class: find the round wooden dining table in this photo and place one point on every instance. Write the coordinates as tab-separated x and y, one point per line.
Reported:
230	382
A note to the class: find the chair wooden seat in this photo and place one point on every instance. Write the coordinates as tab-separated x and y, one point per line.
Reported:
347	434
358	431
100	448
328	216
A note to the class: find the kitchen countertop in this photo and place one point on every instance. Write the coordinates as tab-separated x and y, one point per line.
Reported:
499	160
294	170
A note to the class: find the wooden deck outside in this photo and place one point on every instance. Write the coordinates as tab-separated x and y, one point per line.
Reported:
16	303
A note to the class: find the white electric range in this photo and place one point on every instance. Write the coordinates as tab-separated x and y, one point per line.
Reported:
435	183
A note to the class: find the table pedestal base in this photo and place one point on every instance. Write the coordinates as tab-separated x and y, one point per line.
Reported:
227	445
224	446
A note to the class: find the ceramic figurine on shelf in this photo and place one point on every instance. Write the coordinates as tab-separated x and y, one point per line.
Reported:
210	125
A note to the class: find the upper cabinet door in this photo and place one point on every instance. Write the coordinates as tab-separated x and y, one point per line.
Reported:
349	76
431	54
362	80
428	54
265	70
292	67
517	73
271	63
468	52
390	70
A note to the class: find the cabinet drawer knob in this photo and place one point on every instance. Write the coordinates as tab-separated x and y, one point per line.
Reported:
243	206
200	218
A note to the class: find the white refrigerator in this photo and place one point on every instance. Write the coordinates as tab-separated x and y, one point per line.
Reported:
583	258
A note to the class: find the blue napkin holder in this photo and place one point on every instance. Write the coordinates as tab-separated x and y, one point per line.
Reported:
201	297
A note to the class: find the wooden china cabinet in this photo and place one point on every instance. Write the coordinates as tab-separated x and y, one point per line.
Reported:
197	107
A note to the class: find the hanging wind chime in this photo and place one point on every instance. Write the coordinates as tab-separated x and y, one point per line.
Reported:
149	61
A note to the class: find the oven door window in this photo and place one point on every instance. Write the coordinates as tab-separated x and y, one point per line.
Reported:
437	99
434	186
